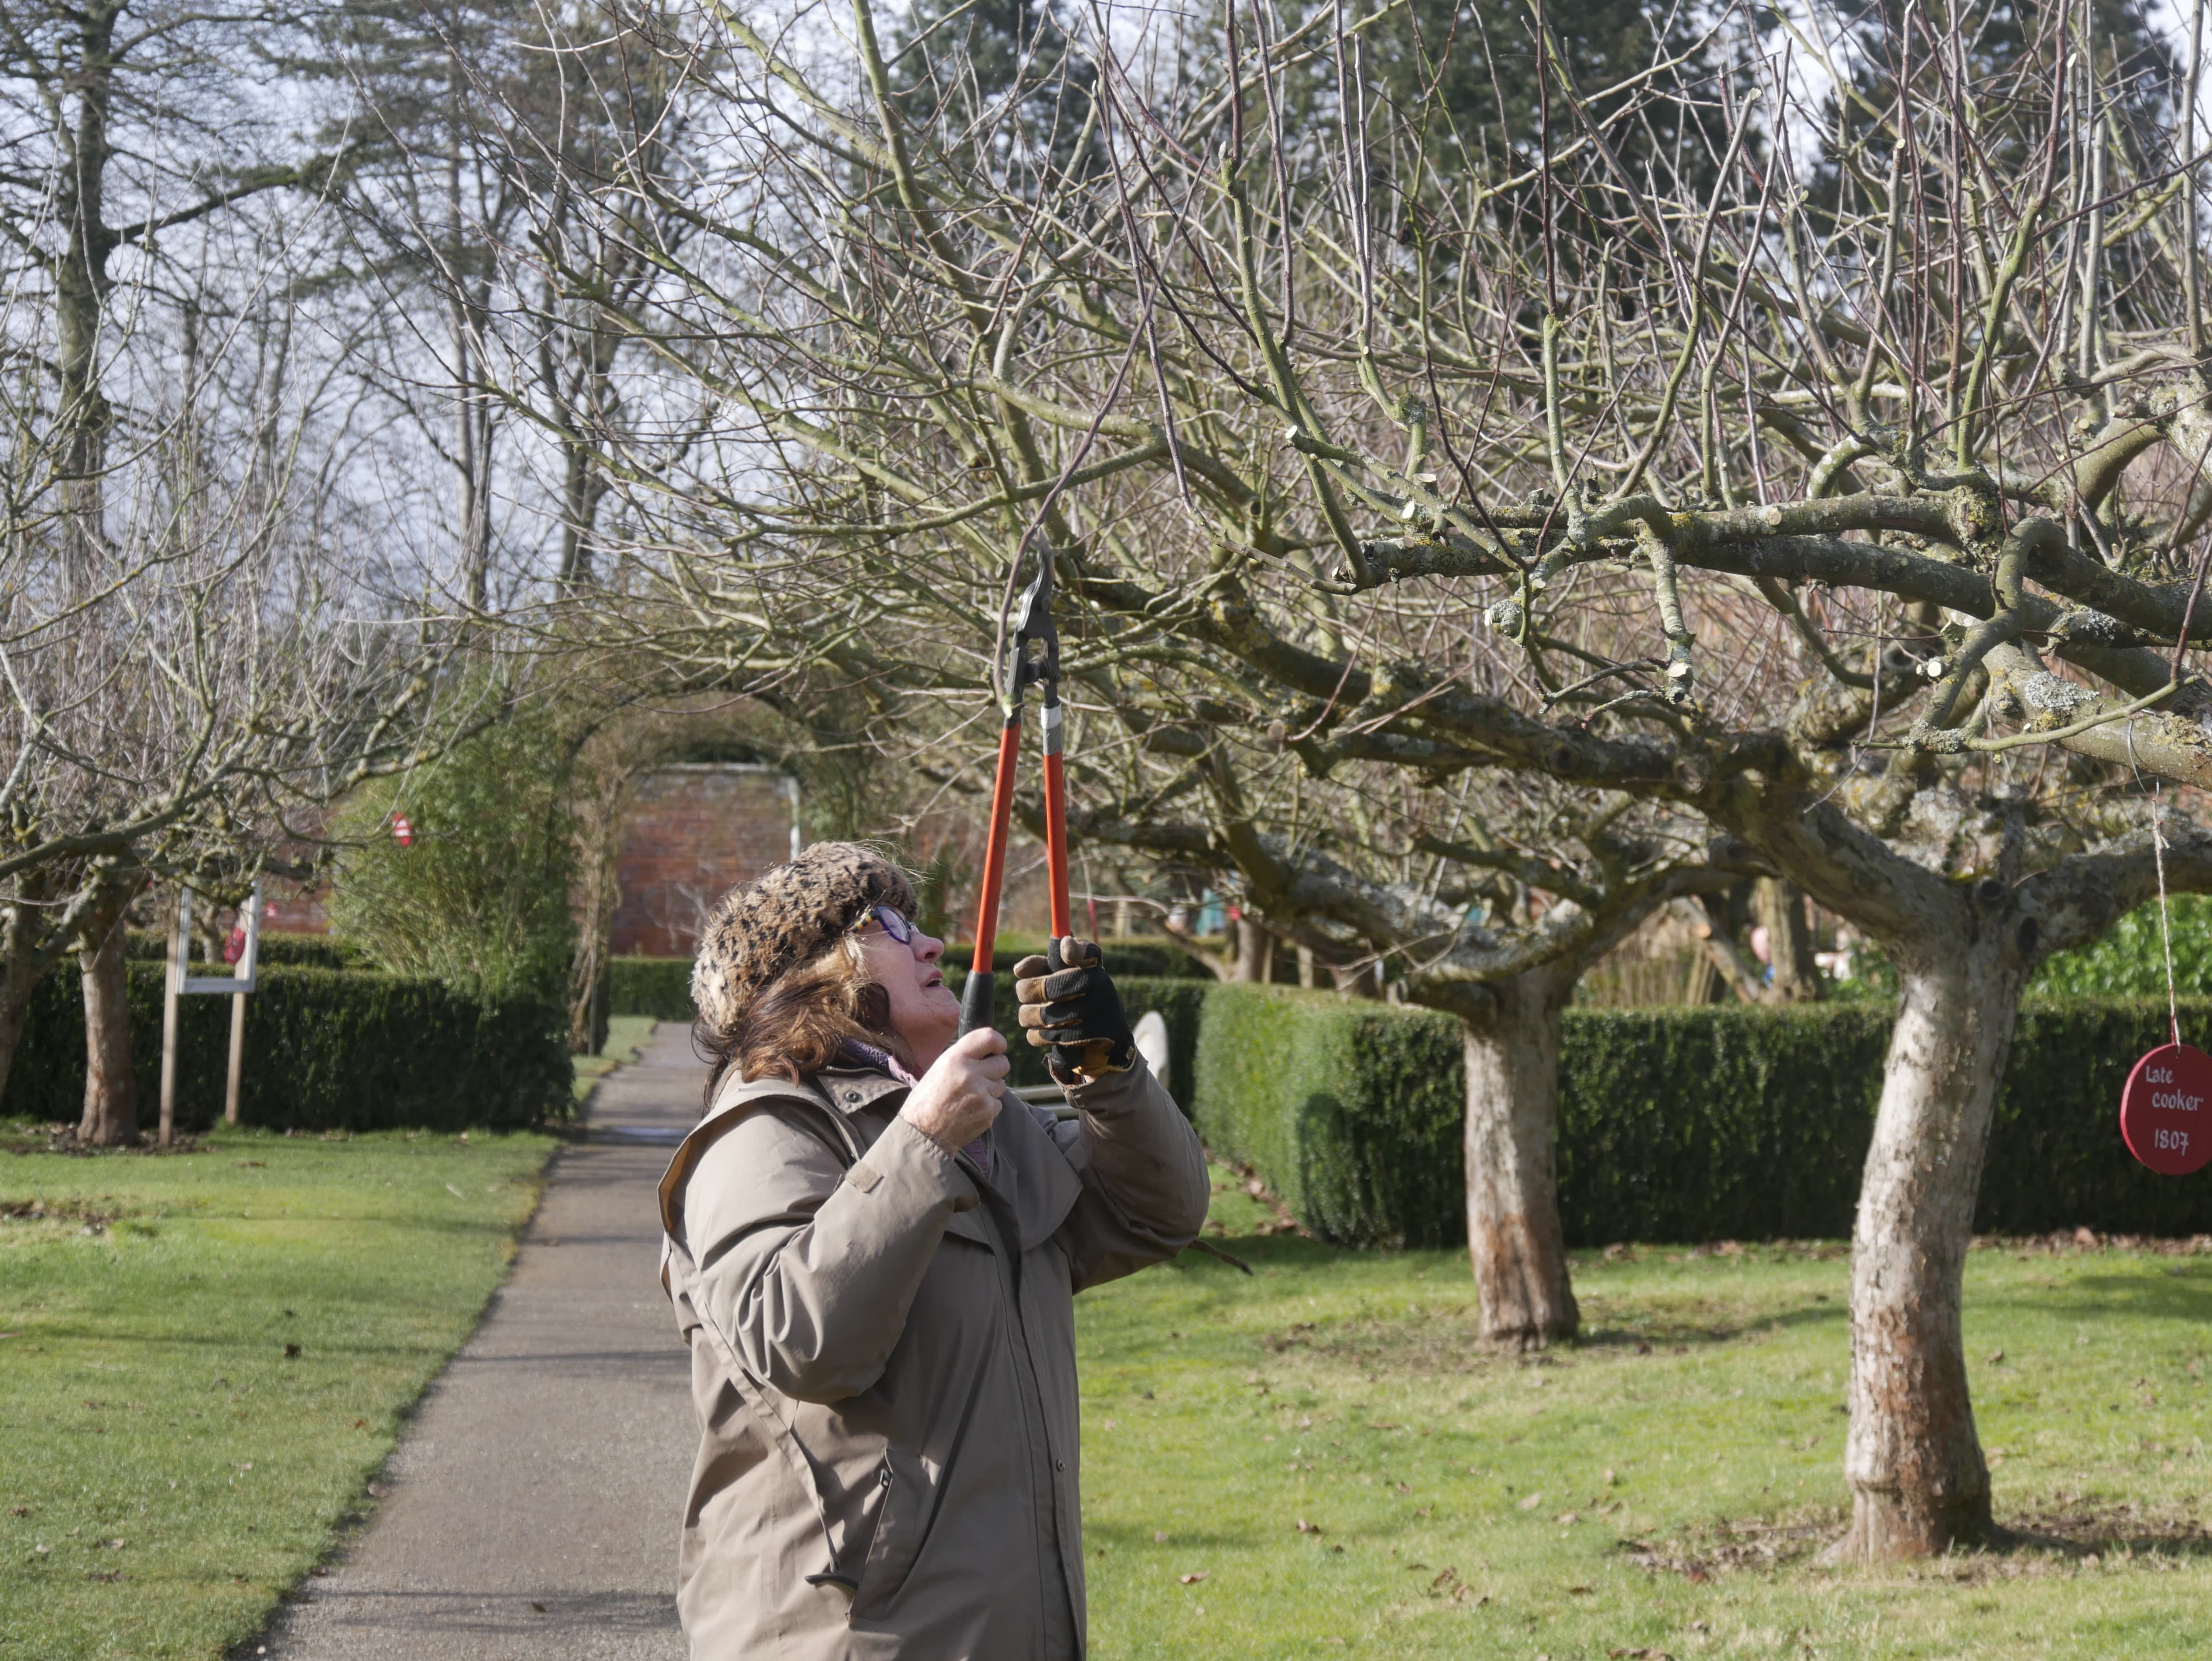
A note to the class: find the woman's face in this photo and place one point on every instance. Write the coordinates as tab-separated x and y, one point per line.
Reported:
925	1015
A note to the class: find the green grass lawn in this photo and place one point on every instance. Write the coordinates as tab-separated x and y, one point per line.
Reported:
203	1357
169	1465
1320	1460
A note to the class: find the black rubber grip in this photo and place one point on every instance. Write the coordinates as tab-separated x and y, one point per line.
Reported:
976	1002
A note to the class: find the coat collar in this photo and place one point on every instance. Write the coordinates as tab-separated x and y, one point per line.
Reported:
851	1089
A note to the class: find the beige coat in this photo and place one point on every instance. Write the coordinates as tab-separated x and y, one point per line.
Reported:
883	1357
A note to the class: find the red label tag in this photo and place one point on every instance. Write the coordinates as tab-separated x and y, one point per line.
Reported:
2166	1111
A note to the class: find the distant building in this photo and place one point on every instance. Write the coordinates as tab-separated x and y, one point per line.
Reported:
691	832
289	908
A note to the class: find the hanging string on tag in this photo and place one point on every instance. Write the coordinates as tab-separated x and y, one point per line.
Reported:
2165	925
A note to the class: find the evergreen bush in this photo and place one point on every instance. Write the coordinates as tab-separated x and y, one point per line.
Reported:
325	1050
1683	1124
1142	957
659	987
479	895
2129	961
289	949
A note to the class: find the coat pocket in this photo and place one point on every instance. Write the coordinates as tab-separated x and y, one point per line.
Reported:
902	1519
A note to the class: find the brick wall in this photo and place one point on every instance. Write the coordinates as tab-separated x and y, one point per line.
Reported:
692	832
288	907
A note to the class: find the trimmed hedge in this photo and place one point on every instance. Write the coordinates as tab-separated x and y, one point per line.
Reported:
1132	957
1351	1112
289	949
659	987
1714	1123
1683	1124
324	1050
1719	1123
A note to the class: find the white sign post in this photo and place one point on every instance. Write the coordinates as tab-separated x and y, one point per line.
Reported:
182	983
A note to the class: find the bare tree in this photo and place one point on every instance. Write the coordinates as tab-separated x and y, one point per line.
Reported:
187	647
1844	495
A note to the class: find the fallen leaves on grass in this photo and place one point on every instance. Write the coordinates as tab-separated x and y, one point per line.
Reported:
93	1217
1729	1545
1193	1577
1448	1585
2126	1532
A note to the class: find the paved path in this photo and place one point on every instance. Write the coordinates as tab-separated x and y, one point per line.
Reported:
530	1511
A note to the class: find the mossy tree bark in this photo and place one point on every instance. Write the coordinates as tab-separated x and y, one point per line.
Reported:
110	1093
1253	963
1514	1238
1920	1484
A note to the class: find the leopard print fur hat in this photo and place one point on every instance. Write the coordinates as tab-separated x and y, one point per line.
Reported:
783	918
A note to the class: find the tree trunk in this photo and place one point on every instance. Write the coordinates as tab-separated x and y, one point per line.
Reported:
1358	982
1781	908
35	932
19	978
1513	1234
1918	1482
1253	963
111	1094
594	900
81	287
1736	968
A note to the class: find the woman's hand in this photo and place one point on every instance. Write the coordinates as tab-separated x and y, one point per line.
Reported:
959	1096
1071	1010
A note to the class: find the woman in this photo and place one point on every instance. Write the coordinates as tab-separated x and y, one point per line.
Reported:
874	1266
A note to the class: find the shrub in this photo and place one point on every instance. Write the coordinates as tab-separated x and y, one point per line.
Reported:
2130	960
2055	1158
1723	1122
324	1050
1716	1123
282	948
1179	1000
1137	956
480	898
659	987
1350	1111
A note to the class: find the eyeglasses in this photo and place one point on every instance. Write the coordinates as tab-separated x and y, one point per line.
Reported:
895	924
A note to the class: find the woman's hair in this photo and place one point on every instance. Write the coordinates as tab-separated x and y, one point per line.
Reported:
804	1019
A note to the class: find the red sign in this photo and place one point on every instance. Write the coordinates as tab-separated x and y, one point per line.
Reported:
402	830
2166	1111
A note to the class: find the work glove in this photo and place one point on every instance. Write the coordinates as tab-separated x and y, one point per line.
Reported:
1069	1005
